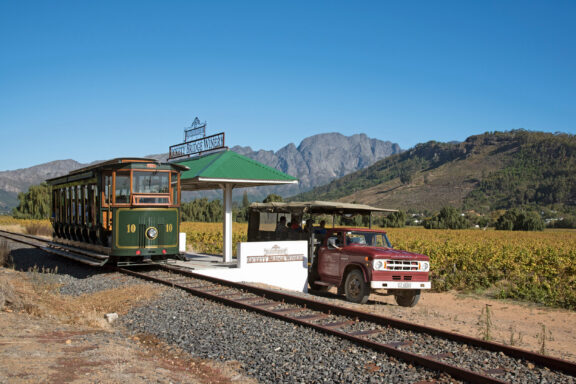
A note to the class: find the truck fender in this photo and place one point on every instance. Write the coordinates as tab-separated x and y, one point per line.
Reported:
352	266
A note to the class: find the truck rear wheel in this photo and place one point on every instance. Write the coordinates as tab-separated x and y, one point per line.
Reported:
355	288
408	298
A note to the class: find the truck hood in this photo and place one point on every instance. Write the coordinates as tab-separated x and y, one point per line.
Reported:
386	253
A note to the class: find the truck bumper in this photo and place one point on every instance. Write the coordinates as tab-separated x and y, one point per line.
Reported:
400	285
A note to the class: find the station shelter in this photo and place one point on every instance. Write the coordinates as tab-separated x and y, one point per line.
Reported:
227	170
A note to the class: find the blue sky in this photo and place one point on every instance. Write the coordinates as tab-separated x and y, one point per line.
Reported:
97	80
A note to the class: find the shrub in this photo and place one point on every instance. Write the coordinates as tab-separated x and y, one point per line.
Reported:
5	257
39	228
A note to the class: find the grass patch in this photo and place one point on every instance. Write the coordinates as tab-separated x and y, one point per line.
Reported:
45	280
7	296
39	228
5	256
36	292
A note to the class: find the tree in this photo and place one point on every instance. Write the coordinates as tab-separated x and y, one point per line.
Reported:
202	210
272	197
241	213
34	204
245	201
395	220
518	220
447	218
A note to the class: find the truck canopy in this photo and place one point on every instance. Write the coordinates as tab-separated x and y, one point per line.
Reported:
317	208
263	217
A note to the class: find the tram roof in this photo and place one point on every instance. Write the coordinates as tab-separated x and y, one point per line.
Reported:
228	167
83	172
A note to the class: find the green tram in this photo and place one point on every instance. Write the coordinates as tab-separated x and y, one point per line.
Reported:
127	209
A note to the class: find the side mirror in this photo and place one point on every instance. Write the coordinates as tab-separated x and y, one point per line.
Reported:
332	242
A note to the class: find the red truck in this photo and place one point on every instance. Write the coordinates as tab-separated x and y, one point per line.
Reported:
355	260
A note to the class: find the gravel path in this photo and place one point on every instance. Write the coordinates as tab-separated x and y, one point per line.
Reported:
269	350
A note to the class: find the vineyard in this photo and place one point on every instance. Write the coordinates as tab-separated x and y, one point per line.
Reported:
539	267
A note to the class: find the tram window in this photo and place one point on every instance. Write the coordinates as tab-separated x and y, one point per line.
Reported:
95	204
151	182
90	201
122	188
67	205
80	204
54	205
63	205
151	200
107	187
86	204
73	204
58	207
174	185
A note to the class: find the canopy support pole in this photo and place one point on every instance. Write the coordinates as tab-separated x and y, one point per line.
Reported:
227	228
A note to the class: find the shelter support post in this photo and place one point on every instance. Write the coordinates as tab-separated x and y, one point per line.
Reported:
227	229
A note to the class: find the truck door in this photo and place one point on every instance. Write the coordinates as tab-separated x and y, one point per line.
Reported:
329	258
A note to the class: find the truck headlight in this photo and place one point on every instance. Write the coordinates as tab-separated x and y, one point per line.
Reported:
424	266
379	265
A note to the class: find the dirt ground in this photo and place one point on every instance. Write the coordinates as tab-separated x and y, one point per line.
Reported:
49	339
45	338
526	326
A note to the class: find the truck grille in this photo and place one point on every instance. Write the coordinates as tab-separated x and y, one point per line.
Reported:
400	277
401	265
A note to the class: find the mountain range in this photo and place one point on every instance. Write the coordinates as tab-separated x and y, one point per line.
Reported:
315	161
487	172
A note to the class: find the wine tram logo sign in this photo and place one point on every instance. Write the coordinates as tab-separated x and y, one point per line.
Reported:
196	142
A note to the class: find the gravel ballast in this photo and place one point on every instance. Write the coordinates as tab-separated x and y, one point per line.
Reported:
270	350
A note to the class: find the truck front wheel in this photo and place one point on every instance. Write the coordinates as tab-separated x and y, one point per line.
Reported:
407	298
355	288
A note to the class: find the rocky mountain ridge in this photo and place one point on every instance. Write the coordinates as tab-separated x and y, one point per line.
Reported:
315	161
486	172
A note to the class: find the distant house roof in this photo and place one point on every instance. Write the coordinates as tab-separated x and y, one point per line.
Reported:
228	167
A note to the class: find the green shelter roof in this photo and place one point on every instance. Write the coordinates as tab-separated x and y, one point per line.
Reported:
228	167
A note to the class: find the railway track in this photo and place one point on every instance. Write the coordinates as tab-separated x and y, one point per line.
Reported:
491	362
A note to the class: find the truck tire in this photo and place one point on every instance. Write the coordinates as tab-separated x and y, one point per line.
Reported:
408	298
355	288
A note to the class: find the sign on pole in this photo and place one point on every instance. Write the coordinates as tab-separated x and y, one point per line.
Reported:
195	141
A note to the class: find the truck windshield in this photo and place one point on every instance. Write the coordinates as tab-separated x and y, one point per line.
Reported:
371	239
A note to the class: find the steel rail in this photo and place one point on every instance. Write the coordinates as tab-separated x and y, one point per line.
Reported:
15	237
547	361
391	349
331	329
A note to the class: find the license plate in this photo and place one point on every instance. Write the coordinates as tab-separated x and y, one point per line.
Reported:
404	285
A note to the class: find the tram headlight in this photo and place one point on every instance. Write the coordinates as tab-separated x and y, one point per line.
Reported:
151	233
